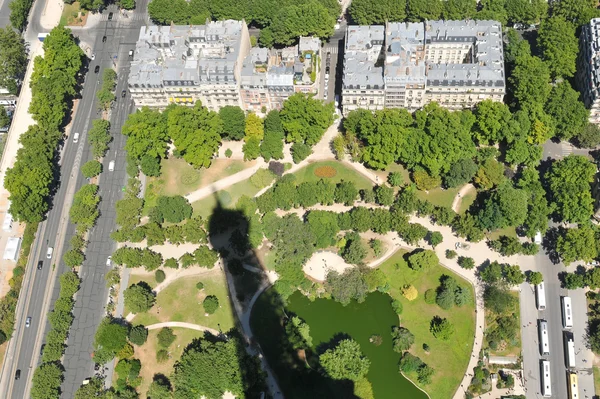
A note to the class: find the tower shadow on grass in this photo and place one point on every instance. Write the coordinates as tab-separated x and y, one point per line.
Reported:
263	330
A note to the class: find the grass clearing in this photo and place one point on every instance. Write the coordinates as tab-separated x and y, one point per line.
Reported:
147	355
448	358
507	231
467	200
180	178
175	303
439	196
395	167
227	198
343	173
71	15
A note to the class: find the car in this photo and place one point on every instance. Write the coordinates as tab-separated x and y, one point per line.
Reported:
42	349
109	261
75	137
336	26
18	374
28	322
103	39
40	265
538	238
49	252
93	56
327	70
97	69
326	76
329	54
111	166
130	53
123	93
110	15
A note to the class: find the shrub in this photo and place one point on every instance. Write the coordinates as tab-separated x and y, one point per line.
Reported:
138	335
300	152
465	262
410	362
159	275
91	169
430	296
441	328
200	285
172	263
376	339
210	304
426	182
166	337
228	153
325	171
402	339
262	178
395	179
277	168
397	306
450	254
190	177
426	347
410	292
162	356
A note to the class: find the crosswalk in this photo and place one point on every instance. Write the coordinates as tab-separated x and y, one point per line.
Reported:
125	17
566	149
332	50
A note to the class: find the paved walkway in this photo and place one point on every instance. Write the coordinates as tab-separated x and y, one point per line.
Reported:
181	324
460	195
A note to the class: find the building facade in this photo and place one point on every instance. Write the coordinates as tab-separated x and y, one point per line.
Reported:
588	68
407	65
215	63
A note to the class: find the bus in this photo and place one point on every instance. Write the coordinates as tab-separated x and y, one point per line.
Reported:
573	387
570	352
567	312
546	384
540	296
543	333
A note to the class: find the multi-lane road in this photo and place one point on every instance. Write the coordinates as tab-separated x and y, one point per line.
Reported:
41	286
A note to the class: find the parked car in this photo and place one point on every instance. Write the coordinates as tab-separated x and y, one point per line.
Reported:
108	261
110	15
103	39
93	56
123	93
97	69
130	53
111	166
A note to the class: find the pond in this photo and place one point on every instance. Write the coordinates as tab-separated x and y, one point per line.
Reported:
327	319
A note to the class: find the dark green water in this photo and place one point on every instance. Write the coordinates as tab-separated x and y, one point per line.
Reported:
326	319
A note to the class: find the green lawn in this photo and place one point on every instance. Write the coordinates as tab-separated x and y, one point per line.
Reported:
147	355
438	196
180	178
467	201
507	231
342	173
510	348
70	15
181	301
448	358
227	198
395	167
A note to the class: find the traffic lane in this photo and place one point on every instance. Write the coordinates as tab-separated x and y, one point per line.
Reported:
4	13
584	357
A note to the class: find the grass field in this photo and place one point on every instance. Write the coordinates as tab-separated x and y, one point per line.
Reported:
181	301
467	201
147	355
342	173
439	196
227	198
448	358
180	178
511	348
507	231
70	15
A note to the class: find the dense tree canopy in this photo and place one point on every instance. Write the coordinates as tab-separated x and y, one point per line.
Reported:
345	361
559	45
146	132
305	119
13	59
568	113
372	12
234	121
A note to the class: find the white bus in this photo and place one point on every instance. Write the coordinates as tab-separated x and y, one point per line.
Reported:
543	333
540	296
546	384
567	312
570	347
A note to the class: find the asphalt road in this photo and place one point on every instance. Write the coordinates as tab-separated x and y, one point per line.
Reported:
42	285
335	46
4	13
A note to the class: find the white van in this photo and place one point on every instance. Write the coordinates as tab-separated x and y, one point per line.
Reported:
75	137
111	166
49	252
538	238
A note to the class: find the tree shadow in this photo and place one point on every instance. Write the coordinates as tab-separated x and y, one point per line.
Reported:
263	331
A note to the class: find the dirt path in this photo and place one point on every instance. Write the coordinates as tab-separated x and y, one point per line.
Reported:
181	324
460	195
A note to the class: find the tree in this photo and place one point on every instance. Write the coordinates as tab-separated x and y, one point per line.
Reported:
569	182
298	333
507	206
535	278
490	174
347	286
234	122
99	137
91	169
410	292
272	144
435	238
172	209
19	10
209	367
556	38
13	58
165	337
419	10
345	361
46	381
300	152
424	181
159	390
513	275
354	252
384	195
498	299
466	263
324	226
459	9
491	273
73	258
577	12
150	165
305	118
588	137
138	335
525	11
568	113
146	132
461	172
395	179
110	338
210	304
254	127
577	244
441	328
369	12
423	260
402	339
530	79
409	363
424	374
139	297
196	133
251	149
345	192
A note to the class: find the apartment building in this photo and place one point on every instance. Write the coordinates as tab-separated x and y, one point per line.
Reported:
407	65
183	64
215	63
588	68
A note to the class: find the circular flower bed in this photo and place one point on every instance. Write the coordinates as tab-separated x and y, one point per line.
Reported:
325	171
